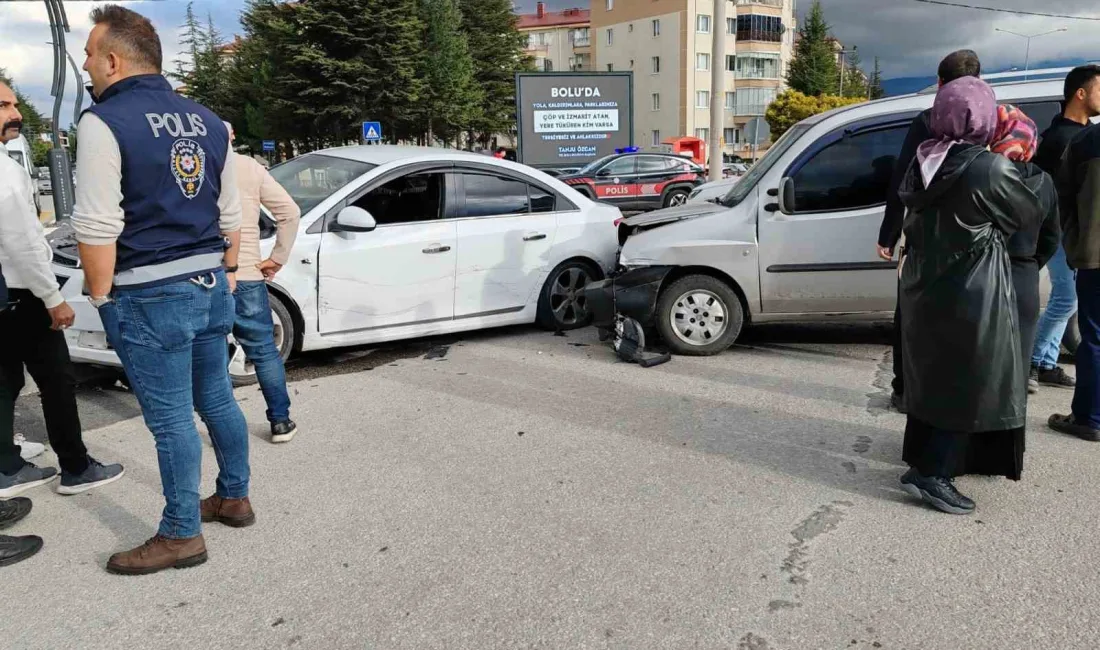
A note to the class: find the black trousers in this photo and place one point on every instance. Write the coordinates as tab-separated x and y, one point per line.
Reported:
29	343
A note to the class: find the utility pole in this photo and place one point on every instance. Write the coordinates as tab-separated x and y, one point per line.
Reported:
60	167
718	89
1027	50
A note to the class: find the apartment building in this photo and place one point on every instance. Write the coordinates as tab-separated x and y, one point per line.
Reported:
667	44
559	41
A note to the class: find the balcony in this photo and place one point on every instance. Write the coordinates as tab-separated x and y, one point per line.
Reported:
766	3
582	42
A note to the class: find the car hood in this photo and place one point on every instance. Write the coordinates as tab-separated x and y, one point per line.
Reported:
63	242
669	215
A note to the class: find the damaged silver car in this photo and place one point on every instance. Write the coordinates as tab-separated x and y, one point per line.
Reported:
793	240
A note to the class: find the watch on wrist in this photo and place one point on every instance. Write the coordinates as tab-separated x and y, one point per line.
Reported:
99	302
231	269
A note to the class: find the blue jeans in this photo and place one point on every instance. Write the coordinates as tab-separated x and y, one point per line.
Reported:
171	340
1061	305
1086	395
255	332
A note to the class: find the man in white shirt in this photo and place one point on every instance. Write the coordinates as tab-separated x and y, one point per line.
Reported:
30	328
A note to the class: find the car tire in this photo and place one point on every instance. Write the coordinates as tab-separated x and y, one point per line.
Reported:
240	371
678	196
562	306
1072	337
684	312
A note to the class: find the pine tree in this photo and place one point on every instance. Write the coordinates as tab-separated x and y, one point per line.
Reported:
452	98
813	70
497	48
202	67
875	83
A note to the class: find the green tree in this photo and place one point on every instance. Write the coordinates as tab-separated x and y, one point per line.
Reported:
791	107
813	69
202	67
497	48
875	83
452	98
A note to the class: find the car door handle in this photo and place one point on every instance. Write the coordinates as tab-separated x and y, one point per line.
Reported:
435	250
534	236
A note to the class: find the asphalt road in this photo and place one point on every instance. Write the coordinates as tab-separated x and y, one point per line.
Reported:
523	490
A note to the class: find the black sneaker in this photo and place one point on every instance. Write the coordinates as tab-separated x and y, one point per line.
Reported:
898	402
1066	424
1033	380
13	510
97	474
29	476
1055	377
283	431
17	549
936	491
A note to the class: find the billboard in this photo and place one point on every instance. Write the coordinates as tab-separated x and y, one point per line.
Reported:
567	119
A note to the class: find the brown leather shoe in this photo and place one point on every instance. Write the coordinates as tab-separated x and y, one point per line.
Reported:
231	512
157	554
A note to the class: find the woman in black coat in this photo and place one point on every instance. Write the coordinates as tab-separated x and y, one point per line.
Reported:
965	376
1030	249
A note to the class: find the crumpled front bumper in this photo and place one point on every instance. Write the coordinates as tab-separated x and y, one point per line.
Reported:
632	293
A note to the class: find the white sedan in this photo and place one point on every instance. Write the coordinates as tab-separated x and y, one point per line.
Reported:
403	242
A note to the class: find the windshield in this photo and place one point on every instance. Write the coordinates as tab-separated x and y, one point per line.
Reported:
745	184
595	164
312	178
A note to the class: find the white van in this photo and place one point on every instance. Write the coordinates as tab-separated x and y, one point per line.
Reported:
20	151
793	240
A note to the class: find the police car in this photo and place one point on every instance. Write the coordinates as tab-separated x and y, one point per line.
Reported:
638	181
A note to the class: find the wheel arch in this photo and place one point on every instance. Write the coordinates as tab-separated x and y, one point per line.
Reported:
283	296
684	271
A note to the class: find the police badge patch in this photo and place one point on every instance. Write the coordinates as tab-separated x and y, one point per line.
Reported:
188	166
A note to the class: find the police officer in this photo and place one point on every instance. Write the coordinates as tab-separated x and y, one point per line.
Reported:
157	218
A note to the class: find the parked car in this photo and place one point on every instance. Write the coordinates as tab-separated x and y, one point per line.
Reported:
713	190
638	181
792	240
402	242
20	151
45	185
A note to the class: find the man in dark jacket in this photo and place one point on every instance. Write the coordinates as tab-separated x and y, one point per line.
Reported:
1082	101
959	64
1079	198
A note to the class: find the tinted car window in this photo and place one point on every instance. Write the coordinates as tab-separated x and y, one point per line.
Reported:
853	172
488	195
620	167
541	200
416	197
653	165
1042	113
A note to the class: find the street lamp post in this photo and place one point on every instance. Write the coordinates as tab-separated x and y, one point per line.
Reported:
1027	50
79	86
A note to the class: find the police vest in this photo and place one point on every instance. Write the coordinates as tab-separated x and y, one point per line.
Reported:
173	152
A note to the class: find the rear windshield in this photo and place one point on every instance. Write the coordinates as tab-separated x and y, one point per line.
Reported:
749	180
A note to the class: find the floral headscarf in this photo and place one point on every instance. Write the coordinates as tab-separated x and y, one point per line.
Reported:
1016	137
965	112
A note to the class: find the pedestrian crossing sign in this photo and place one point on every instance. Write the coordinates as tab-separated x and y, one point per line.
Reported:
372	131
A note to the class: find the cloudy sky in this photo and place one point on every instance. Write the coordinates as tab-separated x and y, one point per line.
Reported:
909	37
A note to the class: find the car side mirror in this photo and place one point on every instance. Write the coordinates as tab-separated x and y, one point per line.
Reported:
353	219
786	195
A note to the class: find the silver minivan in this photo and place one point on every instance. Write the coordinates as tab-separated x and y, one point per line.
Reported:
793	240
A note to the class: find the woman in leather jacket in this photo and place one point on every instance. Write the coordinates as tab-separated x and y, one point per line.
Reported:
1030	249
965	376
